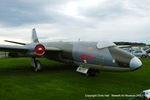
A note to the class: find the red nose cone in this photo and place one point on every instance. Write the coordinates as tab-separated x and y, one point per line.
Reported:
39	49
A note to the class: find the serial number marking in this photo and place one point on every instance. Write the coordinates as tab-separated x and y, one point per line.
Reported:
84	56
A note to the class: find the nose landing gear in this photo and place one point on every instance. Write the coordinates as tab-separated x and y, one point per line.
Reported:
92	72
86	71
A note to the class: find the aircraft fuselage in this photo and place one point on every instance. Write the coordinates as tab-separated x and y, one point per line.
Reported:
89	56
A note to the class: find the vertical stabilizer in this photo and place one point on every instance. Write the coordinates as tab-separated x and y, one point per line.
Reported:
34	36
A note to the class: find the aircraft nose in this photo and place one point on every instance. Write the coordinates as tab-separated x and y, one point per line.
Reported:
135	63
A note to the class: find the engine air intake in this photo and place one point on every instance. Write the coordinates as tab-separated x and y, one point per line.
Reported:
39	49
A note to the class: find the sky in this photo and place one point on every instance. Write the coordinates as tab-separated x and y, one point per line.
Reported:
69	20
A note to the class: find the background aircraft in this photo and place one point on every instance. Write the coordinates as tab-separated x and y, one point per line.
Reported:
88	56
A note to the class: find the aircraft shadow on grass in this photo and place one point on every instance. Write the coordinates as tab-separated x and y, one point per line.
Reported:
45	68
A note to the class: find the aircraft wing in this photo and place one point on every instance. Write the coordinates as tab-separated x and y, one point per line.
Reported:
23	48
13	48
52	49
32	49
26	49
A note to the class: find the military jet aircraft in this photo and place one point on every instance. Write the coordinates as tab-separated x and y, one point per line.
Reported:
88	56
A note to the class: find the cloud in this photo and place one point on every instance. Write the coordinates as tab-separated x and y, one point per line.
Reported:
119	20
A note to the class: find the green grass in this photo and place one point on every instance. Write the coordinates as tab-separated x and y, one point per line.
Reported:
58	81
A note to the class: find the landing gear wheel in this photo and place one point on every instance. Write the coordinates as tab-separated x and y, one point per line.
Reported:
36	65
142	56
91	72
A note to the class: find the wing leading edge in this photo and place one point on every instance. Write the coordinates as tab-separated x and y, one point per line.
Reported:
13	48
25	49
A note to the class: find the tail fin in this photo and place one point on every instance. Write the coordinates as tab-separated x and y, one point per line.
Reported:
34	36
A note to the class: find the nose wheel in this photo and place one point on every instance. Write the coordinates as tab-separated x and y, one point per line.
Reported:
92	72
86	71
36	65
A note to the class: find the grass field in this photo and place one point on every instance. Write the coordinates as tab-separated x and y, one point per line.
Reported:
58	81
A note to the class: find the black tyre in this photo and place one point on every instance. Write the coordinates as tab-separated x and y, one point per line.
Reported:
143	56
36	66
92	72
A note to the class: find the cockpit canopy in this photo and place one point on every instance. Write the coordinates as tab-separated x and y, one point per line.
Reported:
105	44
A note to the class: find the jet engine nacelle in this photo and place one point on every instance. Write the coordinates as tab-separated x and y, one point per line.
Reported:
36	49
39	49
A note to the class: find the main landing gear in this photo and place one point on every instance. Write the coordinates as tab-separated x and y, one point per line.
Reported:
36	65
86	71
